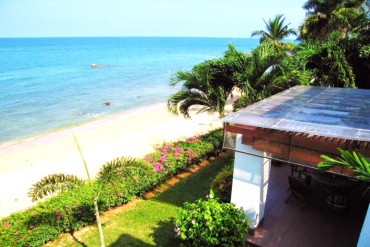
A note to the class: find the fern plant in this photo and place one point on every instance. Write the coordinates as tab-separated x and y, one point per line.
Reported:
52	184
354	161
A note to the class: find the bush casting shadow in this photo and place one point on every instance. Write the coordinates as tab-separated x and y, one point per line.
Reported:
164	235
128	240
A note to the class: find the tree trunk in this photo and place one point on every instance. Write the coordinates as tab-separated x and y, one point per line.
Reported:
98	222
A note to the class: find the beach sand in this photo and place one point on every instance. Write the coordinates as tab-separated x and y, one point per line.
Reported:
130	134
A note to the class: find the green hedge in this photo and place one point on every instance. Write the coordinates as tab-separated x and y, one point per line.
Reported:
222	184
117	183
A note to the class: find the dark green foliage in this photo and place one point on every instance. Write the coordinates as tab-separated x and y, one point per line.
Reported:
327	61
53	183
339	38
118	181
210	223
222	184
354	161
327	16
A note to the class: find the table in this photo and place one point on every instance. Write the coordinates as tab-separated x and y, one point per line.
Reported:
333	180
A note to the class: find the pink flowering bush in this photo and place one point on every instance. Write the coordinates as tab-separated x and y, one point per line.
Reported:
171	158
118	182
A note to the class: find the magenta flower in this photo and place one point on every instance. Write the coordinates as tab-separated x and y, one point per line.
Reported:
166	147
31	227
157	167
6	224
57	214
178	150
162	159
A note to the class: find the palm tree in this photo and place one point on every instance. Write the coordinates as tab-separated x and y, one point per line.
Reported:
207	86
276	30
325	16
268	72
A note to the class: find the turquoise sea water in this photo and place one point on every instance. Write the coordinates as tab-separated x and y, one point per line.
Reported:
47	83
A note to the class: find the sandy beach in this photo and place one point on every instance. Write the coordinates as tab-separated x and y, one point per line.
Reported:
131	134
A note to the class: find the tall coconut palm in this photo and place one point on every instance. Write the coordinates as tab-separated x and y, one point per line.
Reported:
276	30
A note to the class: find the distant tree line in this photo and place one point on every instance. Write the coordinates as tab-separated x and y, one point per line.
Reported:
333	50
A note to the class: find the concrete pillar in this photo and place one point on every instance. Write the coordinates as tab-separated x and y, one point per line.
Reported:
250	182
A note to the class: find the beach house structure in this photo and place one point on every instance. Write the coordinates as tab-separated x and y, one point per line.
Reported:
295	127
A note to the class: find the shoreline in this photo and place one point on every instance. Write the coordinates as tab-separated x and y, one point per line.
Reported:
132	133
27	138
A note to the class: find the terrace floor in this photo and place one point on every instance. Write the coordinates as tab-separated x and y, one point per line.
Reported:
315	226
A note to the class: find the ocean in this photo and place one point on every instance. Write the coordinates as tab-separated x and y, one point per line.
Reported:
50	83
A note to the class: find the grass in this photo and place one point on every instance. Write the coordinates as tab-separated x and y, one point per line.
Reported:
149	222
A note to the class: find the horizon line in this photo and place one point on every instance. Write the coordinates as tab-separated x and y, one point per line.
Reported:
38	37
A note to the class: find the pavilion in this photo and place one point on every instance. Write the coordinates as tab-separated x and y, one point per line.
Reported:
295	126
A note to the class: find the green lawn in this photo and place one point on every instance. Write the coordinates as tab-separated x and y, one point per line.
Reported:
149	222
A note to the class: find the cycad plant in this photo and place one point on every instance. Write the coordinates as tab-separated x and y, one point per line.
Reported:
131	172
355	161
52	184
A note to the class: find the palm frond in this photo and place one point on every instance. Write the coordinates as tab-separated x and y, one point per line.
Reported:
354	161
52	184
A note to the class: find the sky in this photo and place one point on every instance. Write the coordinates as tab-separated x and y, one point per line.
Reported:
165	18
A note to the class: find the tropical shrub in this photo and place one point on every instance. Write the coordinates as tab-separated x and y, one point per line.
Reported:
210	223
117	182
222	184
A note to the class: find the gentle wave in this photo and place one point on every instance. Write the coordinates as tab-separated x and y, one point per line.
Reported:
48	83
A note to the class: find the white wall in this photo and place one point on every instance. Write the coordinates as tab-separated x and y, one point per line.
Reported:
250	182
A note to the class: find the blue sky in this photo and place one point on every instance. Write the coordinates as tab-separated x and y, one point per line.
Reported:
185	18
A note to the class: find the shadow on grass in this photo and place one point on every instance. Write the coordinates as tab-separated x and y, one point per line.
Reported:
77	241
164	235
128	240
195	186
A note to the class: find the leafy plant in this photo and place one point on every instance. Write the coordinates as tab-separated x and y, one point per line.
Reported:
222	184
52	184
210	223
354	161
